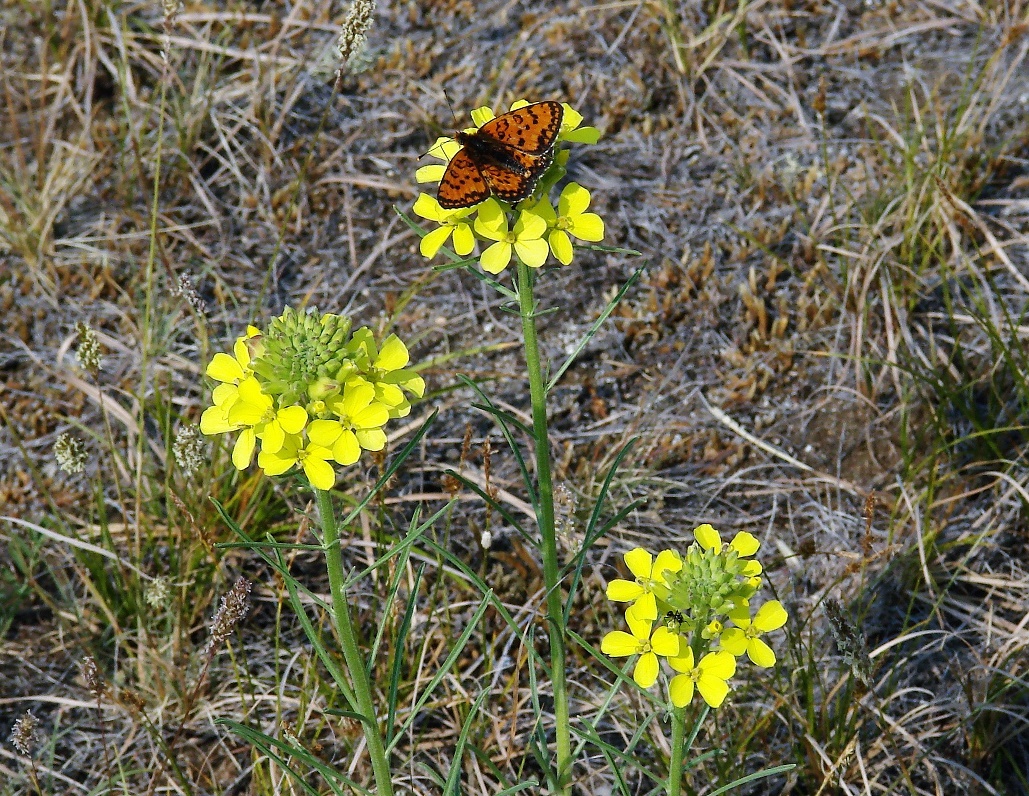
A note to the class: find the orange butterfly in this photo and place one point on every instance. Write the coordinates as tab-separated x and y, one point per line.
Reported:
506	156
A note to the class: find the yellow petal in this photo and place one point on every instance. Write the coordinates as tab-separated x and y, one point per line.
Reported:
274	463
532	252
491	220
292	419
464	239
371	439
357	396
243	450
646	607
583	135
639	626
393	354
721	664
573	201
745	544
571	117
623	591
431	173
639	562
427	207
734	641
588	226
619	644
665	643
667	561
712	689
708	537
225	368
645	673
433	241
224	395
272	438
374	415
544	210
496	258
529	226
770	616
324	432
319	472
215	420
561	245
760	654
241	349
684	662
346	450
482	115
680	690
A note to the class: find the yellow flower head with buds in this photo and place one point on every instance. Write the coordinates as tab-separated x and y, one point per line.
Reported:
306	392
695	594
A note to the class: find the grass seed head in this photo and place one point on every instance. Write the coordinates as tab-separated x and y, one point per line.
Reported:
71	454
24	734
189	449
88	351
230	613
354	33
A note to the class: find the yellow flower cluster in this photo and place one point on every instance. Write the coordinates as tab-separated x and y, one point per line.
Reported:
693	593
309	393
532	230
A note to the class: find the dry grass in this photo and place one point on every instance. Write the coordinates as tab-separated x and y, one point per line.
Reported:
832	201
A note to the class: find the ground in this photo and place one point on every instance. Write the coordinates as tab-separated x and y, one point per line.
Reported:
824	348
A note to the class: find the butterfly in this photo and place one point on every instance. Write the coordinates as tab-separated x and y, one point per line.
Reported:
506	157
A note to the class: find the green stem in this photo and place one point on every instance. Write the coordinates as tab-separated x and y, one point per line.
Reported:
545	519
678	747
351	648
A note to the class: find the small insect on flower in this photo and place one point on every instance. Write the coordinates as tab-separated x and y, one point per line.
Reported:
506	156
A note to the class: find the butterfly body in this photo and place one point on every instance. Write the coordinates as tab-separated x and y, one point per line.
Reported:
505	157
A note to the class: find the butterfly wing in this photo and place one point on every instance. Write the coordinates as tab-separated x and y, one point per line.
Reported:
531	129
463	184
513	186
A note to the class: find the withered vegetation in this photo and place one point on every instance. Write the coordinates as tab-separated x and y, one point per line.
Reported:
826	349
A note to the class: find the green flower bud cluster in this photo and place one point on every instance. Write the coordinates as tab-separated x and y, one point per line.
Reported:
299	349
711	582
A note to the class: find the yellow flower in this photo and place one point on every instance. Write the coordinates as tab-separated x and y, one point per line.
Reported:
312	458
709	677
572	219
649	573
256	409
640	642
745	637
230	371
359	426
525	239
454	222
386	370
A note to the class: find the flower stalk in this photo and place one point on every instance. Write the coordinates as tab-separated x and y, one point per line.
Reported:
350	645
545	520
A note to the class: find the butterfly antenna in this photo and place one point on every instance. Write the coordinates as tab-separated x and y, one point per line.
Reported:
447	98
451	107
